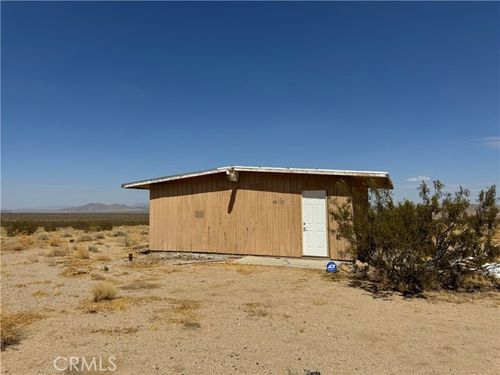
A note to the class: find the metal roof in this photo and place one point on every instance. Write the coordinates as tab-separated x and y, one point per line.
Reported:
384	176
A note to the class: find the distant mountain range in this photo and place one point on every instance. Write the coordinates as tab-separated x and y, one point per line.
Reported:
88	208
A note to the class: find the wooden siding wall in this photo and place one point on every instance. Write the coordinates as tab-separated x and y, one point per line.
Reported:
260	214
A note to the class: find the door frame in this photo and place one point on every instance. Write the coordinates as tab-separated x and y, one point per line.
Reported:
327	239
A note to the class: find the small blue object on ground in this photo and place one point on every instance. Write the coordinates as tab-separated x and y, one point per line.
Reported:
331	266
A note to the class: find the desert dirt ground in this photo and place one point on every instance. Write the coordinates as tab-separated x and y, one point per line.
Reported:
173	316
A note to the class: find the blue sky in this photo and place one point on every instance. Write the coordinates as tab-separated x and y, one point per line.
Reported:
96	94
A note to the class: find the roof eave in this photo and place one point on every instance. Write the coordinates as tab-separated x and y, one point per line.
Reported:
146	184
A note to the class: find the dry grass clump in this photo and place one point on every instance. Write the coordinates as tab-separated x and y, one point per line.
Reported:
104	306
84	238
146	262
10	244
81	252
55	240
184	304
73	271
93	248
119	233
461	297
25	242
12	326
256	309
115	331
58	252
191	324
343	274
42	236
477	282
182	311
17	243
140	284
116	304
129	241
102	258
40	293
103	291
100	236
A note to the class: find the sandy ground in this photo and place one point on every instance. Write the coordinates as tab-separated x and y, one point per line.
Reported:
221	318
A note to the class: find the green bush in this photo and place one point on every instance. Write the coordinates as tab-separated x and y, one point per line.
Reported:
411	246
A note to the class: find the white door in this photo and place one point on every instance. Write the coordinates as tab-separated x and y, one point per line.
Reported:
314	229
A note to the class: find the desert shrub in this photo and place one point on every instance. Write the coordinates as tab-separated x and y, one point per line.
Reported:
26	242
82	252
11	334
119	233
129	241
103	291
58	252
41	293
116	304
11	244
85	238
100	236
15	227
27	223
55	240
180	311
256	309
43	236
93	248
12	326
411	246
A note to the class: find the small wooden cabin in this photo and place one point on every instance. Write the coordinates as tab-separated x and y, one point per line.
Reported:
255	210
